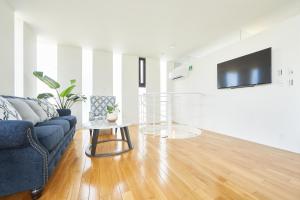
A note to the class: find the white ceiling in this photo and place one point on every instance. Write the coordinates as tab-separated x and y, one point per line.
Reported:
144	27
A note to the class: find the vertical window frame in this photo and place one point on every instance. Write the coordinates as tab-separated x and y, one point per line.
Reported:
142	85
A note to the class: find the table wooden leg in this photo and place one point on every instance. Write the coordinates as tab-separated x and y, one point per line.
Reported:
128	137
91	149
122	133
94	142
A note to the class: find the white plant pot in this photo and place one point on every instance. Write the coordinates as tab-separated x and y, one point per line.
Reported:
112	117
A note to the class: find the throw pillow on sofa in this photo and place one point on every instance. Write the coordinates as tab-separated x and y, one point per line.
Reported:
48	108
37	109
7	111
24	109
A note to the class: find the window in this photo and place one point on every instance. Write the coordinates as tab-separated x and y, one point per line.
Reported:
19	65
163	90
46	62
117	79
142	72
87	80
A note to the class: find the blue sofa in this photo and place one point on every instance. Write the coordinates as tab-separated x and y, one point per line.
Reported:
29	154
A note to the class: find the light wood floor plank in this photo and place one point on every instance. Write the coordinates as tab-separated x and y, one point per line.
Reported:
210	166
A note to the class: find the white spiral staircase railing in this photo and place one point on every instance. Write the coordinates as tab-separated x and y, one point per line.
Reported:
172	114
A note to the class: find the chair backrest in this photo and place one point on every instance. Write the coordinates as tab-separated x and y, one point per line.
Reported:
99	105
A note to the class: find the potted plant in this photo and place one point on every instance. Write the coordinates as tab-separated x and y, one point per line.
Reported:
112	113
64	98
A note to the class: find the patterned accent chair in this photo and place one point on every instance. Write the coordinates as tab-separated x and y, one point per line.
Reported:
98	106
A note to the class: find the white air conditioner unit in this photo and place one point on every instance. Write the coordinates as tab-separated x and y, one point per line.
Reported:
179	72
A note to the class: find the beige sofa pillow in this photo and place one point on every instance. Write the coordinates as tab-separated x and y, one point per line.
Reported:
24	109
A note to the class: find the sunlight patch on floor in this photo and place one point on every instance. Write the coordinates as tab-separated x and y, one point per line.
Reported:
174	131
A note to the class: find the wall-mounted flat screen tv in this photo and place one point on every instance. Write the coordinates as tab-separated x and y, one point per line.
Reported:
245	71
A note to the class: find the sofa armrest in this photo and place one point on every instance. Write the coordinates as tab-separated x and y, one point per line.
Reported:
13	133
64	112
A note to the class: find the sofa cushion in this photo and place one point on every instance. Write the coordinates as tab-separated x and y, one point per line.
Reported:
7	111
24	109
48	108
64	124
71	119
37	109
49	136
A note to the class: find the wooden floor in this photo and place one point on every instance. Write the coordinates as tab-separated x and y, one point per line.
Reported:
210	166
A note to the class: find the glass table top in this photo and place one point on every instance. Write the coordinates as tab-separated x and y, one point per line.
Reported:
104	124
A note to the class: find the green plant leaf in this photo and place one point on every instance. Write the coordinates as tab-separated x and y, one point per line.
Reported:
45	96
74	97
64	99
67	91
51	83
47	80
38	74
73	81
110	109
70	95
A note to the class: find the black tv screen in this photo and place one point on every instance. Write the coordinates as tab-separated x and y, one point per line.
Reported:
248	70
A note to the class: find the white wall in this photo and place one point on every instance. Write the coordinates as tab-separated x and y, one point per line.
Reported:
130	90
70	66
103	73
7	49
69	62
30	61
130	82
266	114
